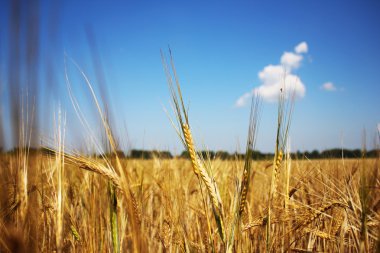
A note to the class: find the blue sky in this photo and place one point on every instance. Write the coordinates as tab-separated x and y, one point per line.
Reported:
219	49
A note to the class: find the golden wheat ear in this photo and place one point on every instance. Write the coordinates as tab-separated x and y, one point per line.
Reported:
247	174
285	110
184	132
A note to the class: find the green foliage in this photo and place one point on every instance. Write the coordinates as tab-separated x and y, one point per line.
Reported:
149	154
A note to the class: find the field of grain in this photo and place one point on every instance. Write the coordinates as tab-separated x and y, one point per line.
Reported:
56	205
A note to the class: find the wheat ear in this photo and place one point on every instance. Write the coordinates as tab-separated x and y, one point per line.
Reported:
322	210
190	146
201	173
199	169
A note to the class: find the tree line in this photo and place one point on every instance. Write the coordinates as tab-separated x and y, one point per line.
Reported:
224	155
315	154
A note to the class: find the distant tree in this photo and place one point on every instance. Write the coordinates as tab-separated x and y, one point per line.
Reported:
238	156
222	155
140	154
184	154
205	154
162	154
356	153
375	153
119	154
256	155
339	153
315	154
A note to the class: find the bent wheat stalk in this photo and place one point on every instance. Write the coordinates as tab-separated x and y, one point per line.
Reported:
185	135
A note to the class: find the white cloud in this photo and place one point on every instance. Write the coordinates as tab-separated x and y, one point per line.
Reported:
275	77
301	48
329	86
291	60
244	99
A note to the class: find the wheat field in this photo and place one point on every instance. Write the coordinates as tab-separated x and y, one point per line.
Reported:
318	207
